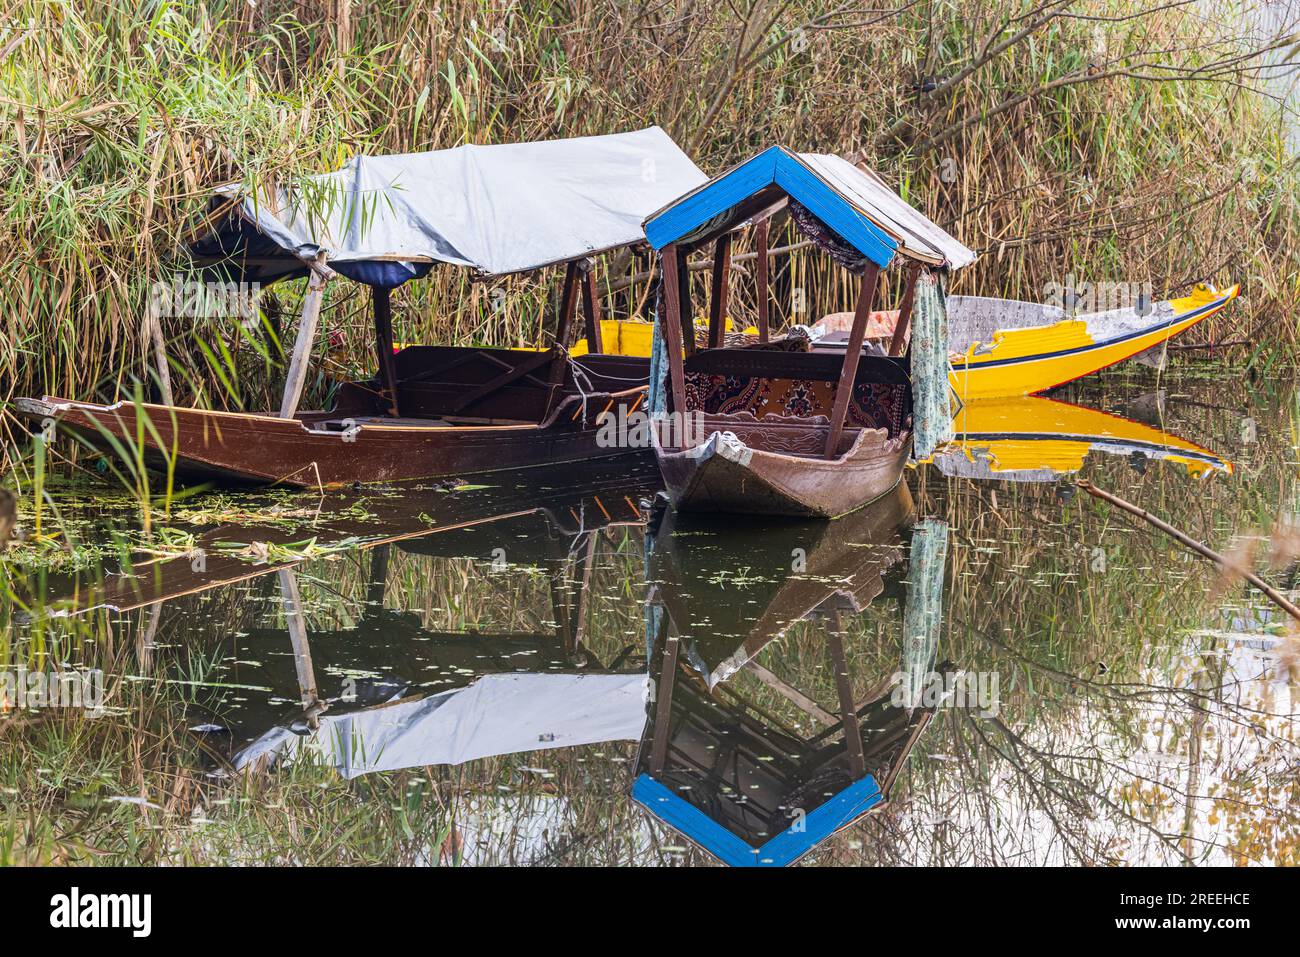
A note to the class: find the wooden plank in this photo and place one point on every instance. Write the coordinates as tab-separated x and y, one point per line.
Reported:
383	313
849	372
591	310
297	375
760	243
500	382
718	290
905	310
673	329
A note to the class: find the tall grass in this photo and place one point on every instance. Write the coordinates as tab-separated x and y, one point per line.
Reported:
1125	146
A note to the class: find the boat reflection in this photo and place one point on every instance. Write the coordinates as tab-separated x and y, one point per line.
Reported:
1037	439
758	766
391	692
285	533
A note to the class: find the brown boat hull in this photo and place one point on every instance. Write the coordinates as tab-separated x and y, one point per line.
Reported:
723	474
240	448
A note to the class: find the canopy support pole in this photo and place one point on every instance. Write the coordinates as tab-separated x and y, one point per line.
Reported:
664	704
673	329
760	242
685	305
591	309
718	292
311	303
568	307
849	371
905	310
844	691
312	706
153	332
381	298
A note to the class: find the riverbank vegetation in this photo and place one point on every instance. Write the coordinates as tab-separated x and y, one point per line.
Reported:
1100	142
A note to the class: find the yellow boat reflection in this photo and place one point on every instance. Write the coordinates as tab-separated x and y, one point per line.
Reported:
1036	439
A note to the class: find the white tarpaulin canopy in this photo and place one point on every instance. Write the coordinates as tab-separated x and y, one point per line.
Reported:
497	209
498	714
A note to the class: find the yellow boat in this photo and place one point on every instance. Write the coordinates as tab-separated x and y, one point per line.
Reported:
1036	439
1001	347
1001	351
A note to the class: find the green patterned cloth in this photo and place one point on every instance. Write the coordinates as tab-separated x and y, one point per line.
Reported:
931	411
923	608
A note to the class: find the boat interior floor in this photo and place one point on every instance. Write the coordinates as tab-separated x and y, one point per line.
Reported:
343	423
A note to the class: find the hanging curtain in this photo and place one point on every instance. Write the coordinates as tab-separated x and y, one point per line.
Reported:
658	399
931	410
923	607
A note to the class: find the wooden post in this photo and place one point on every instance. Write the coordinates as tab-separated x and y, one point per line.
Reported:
718	292
297	376
844	690
760	243
154	336
564	325
672	319
591	309
905	310
664	704
297	625
685	304
378	584
381	298
849	371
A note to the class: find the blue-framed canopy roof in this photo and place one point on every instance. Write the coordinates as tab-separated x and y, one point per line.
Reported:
782	849
853	202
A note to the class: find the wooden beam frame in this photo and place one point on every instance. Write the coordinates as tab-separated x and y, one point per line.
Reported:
381	299
905	310
760	251
672	328
849	371
718	290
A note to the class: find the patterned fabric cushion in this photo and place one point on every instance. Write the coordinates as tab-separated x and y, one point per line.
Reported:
875	405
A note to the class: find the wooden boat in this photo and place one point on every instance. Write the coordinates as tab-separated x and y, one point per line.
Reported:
1038	439
1003	347
776	428
743	755
429	411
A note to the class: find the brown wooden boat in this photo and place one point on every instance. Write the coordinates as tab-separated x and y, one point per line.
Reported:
429	411
454	422
775	427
